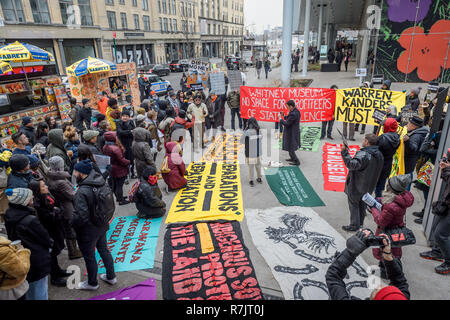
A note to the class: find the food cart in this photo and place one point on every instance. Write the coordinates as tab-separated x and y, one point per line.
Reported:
123	79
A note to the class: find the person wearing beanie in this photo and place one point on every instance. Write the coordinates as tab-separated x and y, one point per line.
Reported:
27	128
388	144
413	100
91	234
413	140
386	85
20	175
395	201
357	244
22	224
90	138
125	129
140	121
56	148
148	197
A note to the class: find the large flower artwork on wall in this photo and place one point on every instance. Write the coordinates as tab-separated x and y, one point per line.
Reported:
406	10
428	52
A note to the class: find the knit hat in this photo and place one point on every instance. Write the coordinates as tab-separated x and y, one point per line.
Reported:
388	83
416	91
56	164
126	113
367	83
19	196
140	118
34	162
84	101
84	167
390	293
90	134
18	162
26	120
148	171
417	121
390	125
400	183
100	117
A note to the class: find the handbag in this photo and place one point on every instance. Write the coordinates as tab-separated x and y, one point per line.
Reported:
440	209
425	174
3	177
165	165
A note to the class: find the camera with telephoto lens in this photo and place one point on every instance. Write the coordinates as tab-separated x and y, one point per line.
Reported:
375	241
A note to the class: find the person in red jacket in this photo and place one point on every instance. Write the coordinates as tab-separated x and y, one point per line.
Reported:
179	126
396	200
119	165
175	179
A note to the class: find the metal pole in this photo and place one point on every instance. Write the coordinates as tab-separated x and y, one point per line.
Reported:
412	41
445	62
288	6
376	43
306	38
319	33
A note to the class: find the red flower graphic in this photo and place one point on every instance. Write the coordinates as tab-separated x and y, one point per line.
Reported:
427	52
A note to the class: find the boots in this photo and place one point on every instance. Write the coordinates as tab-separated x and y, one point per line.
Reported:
443	268
72	247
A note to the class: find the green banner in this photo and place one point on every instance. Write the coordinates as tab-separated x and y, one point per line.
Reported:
291	187
310	139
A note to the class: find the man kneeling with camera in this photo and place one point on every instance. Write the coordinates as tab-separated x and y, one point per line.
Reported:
363	239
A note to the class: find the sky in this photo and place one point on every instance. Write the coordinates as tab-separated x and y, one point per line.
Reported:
261	13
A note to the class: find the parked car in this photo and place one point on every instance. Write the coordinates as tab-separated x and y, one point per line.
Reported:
233	63
158	69
179	65
159	85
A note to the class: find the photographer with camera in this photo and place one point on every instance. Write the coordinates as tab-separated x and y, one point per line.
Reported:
363	239
441	208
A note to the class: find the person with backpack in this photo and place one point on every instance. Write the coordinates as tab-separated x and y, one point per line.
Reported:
93	208
253	149
148	196
119	165
142	152
174	176
22	224
179	126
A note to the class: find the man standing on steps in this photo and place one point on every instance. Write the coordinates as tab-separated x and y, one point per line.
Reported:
291	137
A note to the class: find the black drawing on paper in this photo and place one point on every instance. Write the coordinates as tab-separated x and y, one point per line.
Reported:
355	284
310	257
308	283
307	270
295	231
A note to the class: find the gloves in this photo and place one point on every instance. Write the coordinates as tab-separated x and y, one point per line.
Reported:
357	244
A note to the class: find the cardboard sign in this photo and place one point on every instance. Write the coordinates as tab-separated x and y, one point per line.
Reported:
235	77
334	170
361	72
378	79
213	192
433	87
217	80
265	104
198	65
208	261
358	105
379	115
407	114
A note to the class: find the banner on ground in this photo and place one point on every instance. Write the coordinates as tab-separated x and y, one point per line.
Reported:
310	139
132	243
291	187
213	192
265	104
357	105
334	170
299	246
208	261
142	291
225	149
217	80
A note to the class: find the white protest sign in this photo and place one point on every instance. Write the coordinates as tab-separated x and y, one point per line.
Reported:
217	80
235	78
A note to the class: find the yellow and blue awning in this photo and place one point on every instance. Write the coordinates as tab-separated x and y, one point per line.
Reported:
90	65
24	52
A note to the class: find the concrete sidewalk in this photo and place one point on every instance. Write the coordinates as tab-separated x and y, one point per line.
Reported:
424	282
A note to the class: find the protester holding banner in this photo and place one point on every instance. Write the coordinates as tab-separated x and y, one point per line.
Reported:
364	171
291	137
253	149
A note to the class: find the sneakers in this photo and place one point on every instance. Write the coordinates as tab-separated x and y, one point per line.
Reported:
252	184
443	268
350	228
86	286
259	180
418	221
418	214
104	277
431	255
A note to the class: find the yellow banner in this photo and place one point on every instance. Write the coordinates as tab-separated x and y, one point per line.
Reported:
213	192
358	105
226	149
398	164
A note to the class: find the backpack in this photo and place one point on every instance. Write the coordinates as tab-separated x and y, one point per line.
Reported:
174	126
132	193
105	206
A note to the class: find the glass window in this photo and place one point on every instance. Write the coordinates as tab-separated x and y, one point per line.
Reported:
123	19
12	10
136	22
39	8
146	20
145	5
85	12
63	7
112	20
110	2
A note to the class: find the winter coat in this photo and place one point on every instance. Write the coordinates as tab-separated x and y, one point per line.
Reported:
164	126
22	224
112	115
125	133
412	148
253	144
364	171
445	175
43	140
430	146
56	148
19	179
178	128
175	178
62	190
86	118
142	153
291	136
215	117
77	118
149	201
338	271
14	265
388	144
84	206
259	65
234	100
119	165
413	102
26	152
153	129
101	140
392	216
197	112
29	132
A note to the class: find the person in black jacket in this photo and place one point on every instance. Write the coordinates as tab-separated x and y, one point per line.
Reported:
42	134
125	129
85	114
28	129
90	236
388	144
413	99
364	171
148	197
417	133
22	224
20	175
291	137
398	288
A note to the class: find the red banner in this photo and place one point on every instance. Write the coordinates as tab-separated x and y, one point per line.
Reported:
265	104
334	170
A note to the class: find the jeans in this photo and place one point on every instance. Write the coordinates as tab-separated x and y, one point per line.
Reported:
330	128
442	237
267	73
258	71
97	241
117	188
38	290
199	130
363	127
412	177
357	212
235	112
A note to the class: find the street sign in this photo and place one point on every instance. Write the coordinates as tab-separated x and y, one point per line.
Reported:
362	72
